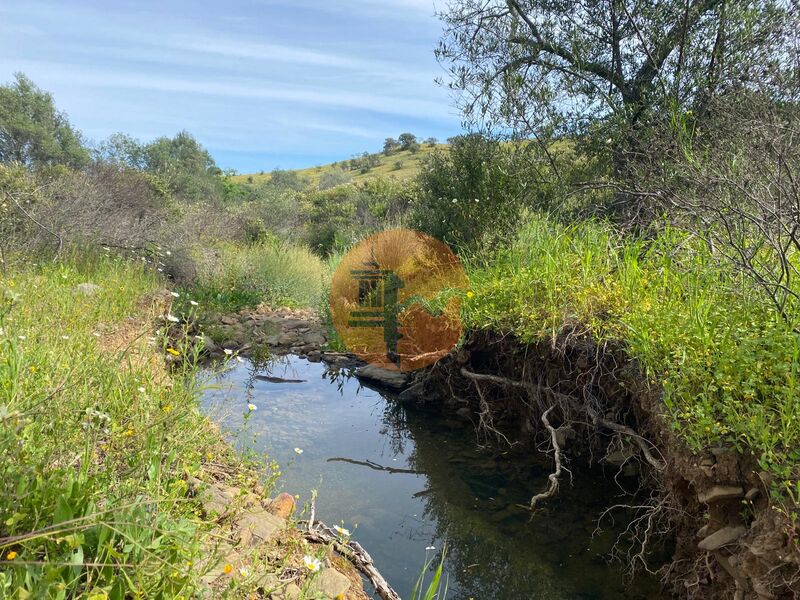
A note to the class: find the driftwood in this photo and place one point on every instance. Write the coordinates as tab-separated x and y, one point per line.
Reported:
372	465
320	533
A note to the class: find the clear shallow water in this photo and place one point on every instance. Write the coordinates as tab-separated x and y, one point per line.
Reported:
462	495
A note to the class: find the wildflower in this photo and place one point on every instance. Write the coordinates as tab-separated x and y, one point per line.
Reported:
244	571
341	531
228	352
252	407
32	369
95	334
175	294
142	390
298	450
227	569
11	555
193	303
173	319
173	352
22	337
168	253
129	432
64	337
430	548
470	294
167	408
311	563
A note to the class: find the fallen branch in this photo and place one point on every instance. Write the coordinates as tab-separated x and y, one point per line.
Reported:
353	552
372	465
552	487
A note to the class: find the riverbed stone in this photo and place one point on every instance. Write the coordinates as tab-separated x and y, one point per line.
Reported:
290	592
723	537
258	526
330	584
383	377
228	320
718	493
283	505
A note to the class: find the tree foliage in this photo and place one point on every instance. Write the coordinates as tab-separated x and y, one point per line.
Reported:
33	132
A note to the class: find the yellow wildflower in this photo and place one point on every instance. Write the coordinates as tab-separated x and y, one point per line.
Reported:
11	555
227	569
470	294
173	352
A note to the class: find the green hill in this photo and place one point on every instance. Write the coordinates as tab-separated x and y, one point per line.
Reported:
399	164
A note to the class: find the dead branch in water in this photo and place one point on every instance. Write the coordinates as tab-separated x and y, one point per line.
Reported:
372	465
552	487
322	534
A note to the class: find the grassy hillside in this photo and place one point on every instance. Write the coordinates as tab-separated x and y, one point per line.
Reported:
400	165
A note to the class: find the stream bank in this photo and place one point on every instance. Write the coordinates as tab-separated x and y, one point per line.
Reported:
705	523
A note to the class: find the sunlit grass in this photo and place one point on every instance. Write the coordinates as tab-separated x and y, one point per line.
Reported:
728	364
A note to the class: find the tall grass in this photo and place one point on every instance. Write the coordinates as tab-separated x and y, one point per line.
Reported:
95	440
232	275
729	365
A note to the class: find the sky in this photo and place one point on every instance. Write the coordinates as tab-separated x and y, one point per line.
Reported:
261	84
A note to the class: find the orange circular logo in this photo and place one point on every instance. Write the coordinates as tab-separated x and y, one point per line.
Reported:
396	299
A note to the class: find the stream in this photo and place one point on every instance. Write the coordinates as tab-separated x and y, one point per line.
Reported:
459	496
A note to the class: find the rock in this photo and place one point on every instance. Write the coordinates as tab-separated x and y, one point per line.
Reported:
208	344
272	340
315	338
330	584
752	494
723	537
411	394
258	526
314	356
87	289
290	592
720	492
383	377
228	320
283	505
230	344
464	413
215	499
287	339
619	457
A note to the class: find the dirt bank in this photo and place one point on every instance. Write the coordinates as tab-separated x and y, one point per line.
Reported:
710	514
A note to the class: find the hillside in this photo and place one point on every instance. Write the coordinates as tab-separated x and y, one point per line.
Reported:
400	164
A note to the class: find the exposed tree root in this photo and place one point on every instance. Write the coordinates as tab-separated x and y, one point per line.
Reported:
372	465
552	487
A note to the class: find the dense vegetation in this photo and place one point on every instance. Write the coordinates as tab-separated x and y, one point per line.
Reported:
658	209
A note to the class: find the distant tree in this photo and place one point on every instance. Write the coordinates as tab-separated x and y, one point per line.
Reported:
32	131
397	165
406	140
431	141
122	149
414	148
181	161
287	180
390	145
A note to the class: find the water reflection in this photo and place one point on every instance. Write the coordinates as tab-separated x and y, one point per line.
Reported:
467	498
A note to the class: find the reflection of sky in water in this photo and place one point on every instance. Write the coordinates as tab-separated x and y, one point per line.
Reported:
469	496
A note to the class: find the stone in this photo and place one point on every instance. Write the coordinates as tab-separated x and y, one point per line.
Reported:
208	344
723	537
315	338
290	592
87	289
272	340
283	505
258	526
464	413
752	494
383	377
228	320
216	500
287	339
720	492
314	356
330	584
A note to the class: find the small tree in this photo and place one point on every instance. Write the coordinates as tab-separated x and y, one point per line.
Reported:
390	145
407	140
33	132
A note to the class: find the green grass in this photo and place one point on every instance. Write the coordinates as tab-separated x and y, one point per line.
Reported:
232	276
728	364
95	440
387	167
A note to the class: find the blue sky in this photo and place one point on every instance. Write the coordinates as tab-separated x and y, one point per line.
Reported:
261	84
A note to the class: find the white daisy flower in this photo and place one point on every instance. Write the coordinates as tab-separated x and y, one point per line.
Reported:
298	450
312	564
252	407
341	531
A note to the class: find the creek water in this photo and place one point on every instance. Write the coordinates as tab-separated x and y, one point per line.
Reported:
459	496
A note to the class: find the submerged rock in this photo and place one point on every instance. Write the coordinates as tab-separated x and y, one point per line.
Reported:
383	377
